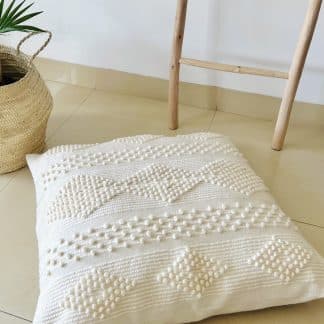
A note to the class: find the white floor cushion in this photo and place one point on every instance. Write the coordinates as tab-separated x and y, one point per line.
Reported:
154	229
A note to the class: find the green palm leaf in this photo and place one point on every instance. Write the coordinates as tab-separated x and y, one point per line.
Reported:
1	7
14	16
19	13
15	10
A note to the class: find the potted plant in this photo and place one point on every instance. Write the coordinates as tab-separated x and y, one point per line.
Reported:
14	18
25	102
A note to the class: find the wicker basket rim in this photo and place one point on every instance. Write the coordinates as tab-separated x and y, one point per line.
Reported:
22	58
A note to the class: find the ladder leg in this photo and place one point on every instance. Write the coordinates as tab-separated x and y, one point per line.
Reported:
180	22
295	73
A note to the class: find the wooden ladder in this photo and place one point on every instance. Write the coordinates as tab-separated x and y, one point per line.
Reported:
293	76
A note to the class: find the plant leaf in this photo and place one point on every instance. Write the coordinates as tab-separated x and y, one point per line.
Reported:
6	13
13	17
1	7
8	29
19	13
21	28
26	17
14	10
28	28
6	16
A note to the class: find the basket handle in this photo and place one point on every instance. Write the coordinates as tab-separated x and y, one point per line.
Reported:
40	49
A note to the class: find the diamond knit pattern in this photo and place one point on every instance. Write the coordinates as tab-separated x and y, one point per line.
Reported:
281	259
192	273
98	292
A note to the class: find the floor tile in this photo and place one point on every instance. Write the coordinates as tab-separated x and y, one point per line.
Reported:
314	235
105	116
75	74
311	312
10	319
293	175
67	98
193	119
18	248
5	178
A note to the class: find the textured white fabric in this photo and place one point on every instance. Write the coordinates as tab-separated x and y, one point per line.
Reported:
154	229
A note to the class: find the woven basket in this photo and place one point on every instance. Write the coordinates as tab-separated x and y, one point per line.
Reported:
25	106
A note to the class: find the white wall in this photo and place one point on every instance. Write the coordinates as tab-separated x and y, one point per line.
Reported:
135	36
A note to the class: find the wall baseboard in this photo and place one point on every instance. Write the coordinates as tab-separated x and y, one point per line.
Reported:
202	96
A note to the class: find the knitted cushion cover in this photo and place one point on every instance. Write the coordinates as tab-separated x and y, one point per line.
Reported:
154	229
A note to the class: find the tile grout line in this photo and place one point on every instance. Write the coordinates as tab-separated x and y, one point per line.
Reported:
9	181
69	84
310	224
71	115
16	316
212	120
129	95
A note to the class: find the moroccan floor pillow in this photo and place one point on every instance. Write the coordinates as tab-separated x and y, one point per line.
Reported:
153	229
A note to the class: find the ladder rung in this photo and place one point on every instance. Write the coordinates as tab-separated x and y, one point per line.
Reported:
234	68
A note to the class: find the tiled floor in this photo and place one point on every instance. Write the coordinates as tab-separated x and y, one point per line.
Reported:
82	115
